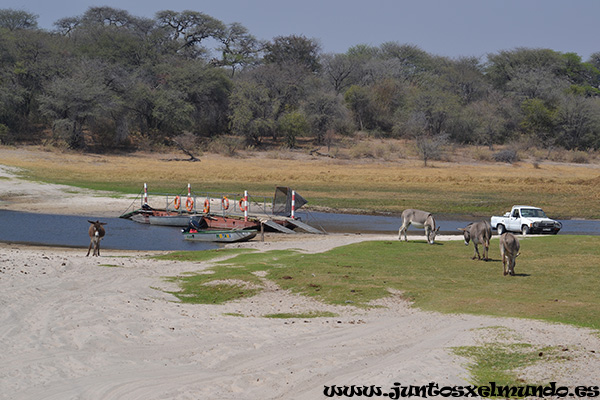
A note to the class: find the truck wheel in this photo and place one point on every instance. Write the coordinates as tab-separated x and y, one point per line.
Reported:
500	228
525	230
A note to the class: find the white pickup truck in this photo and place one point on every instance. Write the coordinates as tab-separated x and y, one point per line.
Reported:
525	219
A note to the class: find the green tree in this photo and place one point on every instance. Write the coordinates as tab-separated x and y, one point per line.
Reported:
359	103
295	50
292	125
539	121
252	115
239	49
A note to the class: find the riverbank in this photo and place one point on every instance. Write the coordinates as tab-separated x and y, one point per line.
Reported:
106	328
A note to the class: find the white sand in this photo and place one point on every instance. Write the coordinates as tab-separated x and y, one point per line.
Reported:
76	327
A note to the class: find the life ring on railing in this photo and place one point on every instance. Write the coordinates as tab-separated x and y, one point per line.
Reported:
225	203
189	204
206	209
177	202
242	207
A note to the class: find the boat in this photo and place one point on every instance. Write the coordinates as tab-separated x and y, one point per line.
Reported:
213	221
170	220
220	236
153	216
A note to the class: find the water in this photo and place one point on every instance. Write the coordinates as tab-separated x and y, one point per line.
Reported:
123	234
71	231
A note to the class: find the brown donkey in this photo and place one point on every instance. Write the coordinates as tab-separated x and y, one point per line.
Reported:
96	233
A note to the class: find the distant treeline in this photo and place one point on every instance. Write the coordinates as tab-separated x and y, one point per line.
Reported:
110	79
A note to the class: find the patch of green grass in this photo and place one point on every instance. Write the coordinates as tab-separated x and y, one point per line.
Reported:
497	362
110	265
556	276
311	314
195	293
231	314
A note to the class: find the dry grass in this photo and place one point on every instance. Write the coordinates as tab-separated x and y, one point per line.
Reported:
474	188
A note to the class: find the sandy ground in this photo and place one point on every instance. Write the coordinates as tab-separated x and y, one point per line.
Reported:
76	327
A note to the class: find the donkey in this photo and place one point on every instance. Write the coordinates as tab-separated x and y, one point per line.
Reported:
509	251
96	232
420	219
480	233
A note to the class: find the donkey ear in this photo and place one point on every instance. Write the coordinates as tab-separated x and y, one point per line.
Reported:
461	229
91	222
438	228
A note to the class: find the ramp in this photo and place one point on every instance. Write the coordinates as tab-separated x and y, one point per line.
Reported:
304	226
276	226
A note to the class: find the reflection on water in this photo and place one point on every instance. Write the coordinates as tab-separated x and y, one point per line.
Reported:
123	234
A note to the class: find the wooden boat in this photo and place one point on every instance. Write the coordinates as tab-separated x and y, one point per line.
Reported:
212	221
220	236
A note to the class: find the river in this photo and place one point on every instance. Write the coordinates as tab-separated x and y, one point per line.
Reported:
123	234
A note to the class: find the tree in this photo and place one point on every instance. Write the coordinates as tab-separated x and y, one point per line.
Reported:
252	112
578	122
238	48
292	125
464	77
190	29
293	49
14	20
359	103
430	147
501	68
72	101
323	110
338	70
539	121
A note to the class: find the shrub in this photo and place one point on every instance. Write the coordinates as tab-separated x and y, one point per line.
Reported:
579	157
508	156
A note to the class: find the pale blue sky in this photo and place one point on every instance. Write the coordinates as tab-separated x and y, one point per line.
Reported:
452	28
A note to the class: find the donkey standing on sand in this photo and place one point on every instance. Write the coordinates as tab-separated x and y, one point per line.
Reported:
480	233
509	251
96	232
420	219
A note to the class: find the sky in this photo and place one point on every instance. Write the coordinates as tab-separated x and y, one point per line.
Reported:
450	28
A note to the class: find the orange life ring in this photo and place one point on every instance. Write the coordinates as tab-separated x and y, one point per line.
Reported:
189	204
242	208
206	206
225	203
177	202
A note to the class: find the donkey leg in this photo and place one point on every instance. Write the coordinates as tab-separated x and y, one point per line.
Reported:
476	253
90	248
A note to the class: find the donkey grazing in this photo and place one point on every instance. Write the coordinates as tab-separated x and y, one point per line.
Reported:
420	219
96	232
509	251
480	233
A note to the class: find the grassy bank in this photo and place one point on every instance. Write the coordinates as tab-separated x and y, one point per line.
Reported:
556	277
369	186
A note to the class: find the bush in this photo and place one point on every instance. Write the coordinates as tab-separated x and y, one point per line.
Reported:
226	145
508	156
579	157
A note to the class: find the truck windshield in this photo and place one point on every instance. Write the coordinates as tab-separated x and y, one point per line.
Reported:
533	213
